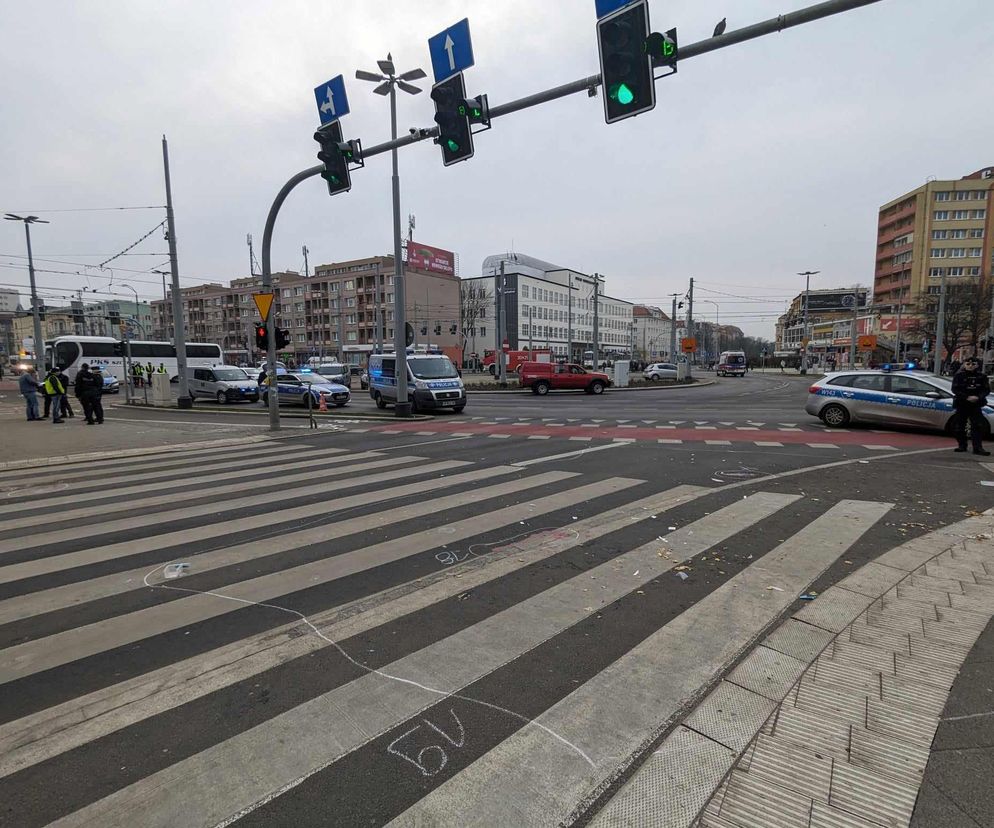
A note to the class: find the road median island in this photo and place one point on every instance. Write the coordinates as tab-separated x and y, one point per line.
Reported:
252	411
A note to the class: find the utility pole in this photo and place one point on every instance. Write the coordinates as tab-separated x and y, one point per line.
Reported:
673	330
597	280
806	339
39	343
377	310
303	250
248	241
531	309
569	331
690	318
897	344
940	326
184	400
502	332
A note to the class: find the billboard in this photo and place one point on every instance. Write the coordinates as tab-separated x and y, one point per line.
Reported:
836	300
430	259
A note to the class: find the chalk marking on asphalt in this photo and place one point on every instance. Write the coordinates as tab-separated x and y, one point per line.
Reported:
970	716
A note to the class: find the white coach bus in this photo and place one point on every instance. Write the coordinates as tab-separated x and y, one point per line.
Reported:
70	352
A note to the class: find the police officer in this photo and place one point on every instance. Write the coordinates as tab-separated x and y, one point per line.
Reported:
89	387
970	390
54	390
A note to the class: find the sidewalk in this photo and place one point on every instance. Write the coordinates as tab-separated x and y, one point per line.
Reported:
832	720
21	440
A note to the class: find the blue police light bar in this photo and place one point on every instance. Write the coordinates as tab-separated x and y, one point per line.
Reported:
904	366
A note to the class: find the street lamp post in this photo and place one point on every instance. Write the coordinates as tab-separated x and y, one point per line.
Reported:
388	82
127	346
806	341
39	343
717	343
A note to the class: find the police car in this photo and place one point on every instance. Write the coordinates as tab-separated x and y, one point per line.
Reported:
306	389
893	396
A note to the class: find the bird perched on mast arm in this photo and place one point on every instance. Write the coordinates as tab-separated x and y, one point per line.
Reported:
720	28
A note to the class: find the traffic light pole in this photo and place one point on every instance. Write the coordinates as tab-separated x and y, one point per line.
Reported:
179	326
771	26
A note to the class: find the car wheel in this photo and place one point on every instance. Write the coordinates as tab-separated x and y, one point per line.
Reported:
835	416
597	387
222	398
378	399
655	377
541	388
414	405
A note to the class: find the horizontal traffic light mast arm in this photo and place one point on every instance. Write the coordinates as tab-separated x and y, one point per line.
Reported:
771	26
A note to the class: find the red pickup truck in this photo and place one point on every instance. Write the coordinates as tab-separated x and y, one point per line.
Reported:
543	377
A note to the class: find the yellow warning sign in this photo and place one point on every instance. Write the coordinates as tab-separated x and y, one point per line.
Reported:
263	301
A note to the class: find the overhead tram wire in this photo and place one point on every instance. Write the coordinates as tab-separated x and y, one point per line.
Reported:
91	209
132	245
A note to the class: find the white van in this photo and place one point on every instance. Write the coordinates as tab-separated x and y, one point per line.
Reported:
224	383
433	383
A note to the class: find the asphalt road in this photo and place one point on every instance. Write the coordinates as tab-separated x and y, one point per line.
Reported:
379	622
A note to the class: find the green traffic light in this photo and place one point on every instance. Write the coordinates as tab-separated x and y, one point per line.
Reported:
622	93
451	145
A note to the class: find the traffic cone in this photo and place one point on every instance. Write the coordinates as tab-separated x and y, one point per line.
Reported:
323	405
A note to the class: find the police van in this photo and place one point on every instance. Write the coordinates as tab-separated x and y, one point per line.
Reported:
433	382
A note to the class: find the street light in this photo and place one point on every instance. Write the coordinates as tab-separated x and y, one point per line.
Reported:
807	274
388	82
39	343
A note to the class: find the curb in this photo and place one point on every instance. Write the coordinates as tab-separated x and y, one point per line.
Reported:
101	455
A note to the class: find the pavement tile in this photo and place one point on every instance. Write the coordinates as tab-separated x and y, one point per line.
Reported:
965	618
925	670
874	796
825	816
908	556
834	610
900	722
872	579
768	672
888	755
753	801
913	695
730	715
894	621
797	639
864	655
938	584
826	734
846	676
792	767
830	700
949	654
951	633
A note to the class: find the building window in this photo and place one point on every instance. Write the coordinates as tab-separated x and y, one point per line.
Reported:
287	292
942	195
978	214
298	291
957	234
973	271
483	331
962	195
301	338
350	336
936	272
955	271
941	215
299	323
975	251
959	215
334	286
350	302
980	195
524	291
350	319
350	285
957	252
902	240
483	313
938	253
524	329
977	233
938	235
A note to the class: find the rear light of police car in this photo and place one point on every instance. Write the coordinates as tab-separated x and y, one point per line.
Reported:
813	389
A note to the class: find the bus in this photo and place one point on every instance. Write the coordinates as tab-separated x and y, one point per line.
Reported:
69	352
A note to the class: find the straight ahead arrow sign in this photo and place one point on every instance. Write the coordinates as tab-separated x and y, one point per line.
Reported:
448	48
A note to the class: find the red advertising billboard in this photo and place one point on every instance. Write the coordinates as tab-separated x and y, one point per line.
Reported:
430	259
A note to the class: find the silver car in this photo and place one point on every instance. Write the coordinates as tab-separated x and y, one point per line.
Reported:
660	370
886	398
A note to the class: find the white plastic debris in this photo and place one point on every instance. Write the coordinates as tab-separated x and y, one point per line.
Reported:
176	570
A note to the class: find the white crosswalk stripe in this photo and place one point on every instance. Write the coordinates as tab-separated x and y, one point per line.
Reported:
471	574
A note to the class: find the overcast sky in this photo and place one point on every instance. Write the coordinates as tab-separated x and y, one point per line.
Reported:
759	160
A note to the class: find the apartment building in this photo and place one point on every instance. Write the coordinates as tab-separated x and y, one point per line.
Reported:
652	332
942	228
332	313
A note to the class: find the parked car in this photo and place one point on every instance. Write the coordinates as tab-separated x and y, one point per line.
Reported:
111	383
306	389
660	370
887	398
543	377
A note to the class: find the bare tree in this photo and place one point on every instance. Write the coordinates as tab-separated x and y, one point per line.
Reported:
967	314
473	301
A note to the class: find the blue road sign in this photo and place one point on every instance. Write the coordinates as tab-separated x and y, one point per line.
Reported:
451	51
331	99
605	7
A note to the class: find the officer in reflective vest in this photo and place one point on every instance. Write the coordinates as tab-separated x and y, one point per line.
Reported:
54	390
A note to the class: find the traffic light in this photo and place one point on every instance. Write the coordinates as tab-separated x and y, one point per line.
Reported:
452	116
662	48
282	338
336	155
261	339
626	67
477	110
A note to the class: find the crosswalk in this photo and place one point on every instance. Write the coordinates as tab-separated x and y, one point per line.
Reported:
386	638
